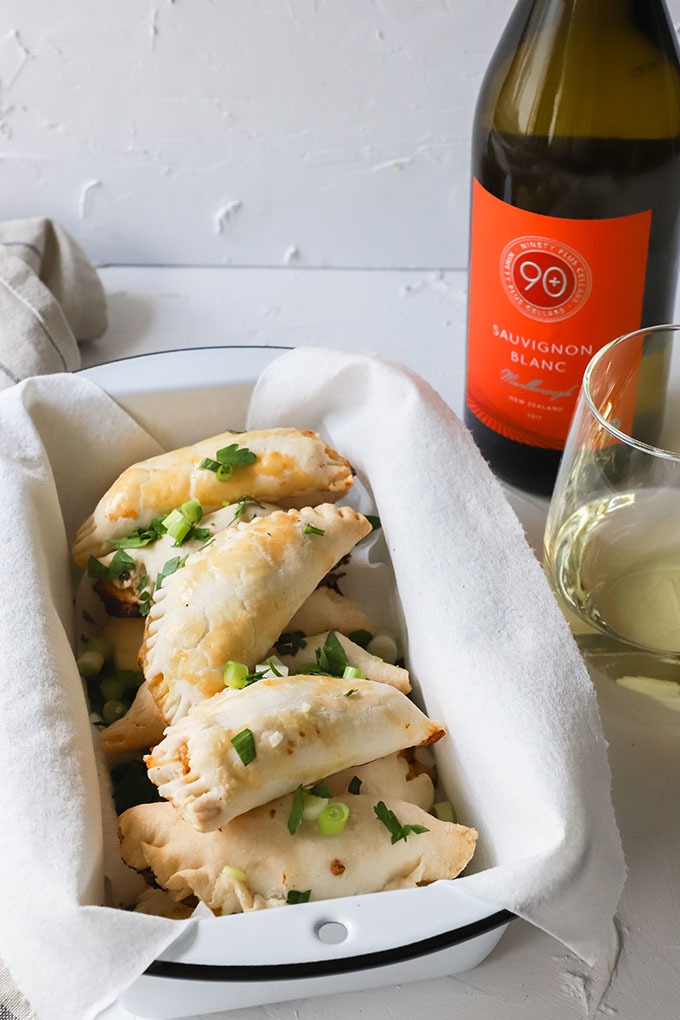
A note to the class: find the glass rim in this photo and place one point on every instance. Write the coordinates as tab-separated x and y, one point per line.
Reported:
638	444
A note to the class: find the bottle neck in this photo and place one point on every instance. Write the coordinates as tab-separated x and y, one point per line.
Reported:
599	68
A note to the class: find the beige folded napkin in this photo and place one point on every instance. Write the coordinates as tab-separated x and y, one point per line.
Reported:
51	299
524	760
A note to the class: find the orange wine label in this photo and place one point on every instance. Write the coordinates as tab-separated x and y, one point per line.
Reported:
546	293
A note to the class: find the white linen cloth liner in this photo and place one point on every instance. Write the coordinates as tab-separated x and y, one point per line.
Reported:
51	299
485	639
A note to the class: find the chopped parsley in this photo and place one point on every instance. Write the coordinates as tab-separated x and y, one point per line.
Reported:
331	659
394	826
320	790
354	785
373	521
360	637
241	505
120	564
294	896
244	745
227	459
140	537
171	567
291	642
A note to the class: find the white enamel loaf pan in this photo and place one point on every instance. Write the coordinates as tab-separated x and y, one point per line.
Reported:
310	949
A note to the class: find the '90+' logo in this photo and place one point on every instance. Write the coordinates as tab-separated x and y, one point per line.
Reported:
546	279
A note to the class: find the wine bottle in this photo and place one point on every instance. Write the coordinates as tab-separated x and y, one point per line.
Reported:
575	221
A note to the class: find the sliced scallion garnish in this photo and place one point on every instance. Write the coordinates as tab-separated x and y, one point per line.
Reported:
236	873
244	745
311	530
235	674
353	673
296	811
333	818
354	785
227	459
444	811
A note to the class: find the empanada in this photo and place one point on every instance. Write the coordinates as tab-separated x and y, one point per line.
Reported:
290	730
264	863
123	595
292	468
373	667
141	727
390	778
231	601
326	609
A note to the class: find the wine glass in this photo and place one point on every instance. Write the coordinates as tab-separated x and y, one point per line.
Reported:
612	539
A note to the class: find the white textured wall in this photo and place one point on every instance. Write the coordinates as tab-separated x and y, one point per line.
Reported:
246	132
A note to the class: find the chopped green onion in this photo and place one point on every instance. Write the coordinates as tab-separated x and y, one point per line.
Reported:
113	710
101	645
348	694
333	818
131	679
298	897
90	663
394	826
383	646
174	518
360	637
353	673
235	873
312	805
291	642
244	745
374	521
443	810
311	530
296	811
192	511
354	785
209	464
112	689
235	674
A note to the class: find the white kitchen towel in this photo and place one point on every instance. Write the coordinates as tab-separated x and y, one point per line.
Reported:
51	299
525	759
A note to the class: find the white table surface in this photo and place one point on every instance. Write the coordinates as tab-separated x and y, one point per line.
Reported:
418	318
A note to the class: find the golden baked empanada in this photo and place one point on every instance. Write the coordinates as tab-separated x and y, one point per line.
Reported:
291	467
373	667
141	727
326	609
231	601
390	778
254	862
123	595
240	749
